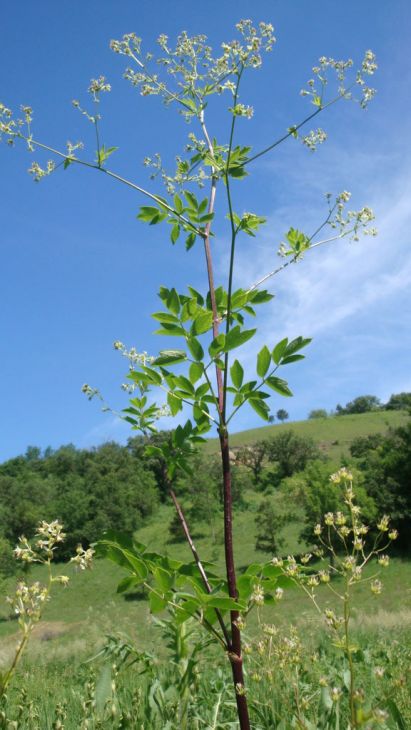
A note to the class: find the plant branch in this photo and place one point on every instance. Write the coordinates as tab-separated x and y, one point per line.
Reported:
199	563
293	129
121	179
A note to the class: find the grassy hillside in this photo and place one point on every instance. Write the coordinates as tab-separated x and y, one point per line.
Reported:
334	435
78	617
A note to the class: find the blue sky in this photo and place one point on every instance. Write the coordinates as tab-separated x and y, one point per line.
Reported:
78	271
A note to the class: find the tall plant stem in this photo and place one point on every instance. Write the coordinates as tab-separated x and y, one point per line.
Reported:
235	642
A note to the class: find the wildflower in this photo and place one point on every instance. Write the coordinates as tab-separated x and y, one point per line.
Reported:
335	694
323	682
63	579
83	558
393	534
240	689
349	563
279	593
329	518
369	64
341	475
317	530
357	573
98	85
376	587
380	716
278	562
324	576
379	672
258	595
384	561
306	558
382	525
314	138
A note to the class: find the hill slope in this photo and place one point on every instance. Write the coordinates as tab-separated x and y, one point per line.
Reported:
334	434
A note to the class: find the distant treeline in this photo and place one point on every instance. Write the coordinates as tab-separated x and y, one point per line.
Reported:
366	404
118	487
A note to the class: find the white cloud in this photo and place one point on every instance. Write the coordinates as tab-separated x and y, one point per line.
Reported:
334	284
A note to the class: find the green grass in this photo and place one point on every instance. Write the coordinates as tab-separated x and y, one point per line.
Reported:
79	616
333	435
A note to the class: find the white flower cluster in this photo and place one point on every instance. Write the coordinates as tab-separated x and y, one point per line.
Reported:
40	172
27	602
97	86
83	558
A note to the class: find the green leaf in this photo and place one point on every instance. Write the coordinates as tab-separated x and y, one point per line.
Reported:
67	162
173	301
279	350
263	361
175	232
128	582
260	407
292	358
297	344
153	374
217	345
202	323
157	603
104	153
191	199
195	372
167	357
225	604
260	297
178	204
196	295
171	330
175	403
279	385
195	348
163	579
190	240
236	337
237	374
165	317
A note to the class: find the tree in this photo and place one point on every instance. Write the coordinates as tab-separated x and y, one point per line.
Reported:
270	524
318	413
210	324
385	462
282	415
290	453
399	402
361	404
253	458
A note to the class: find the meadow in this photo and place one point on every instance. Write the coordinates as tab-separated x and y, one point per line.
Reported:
80	617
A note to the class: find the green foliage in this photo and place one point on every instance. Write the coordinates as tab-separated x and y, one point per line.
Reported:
399	402
289	453
270	524
385	462
318	413
77	487
312	489
362	404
